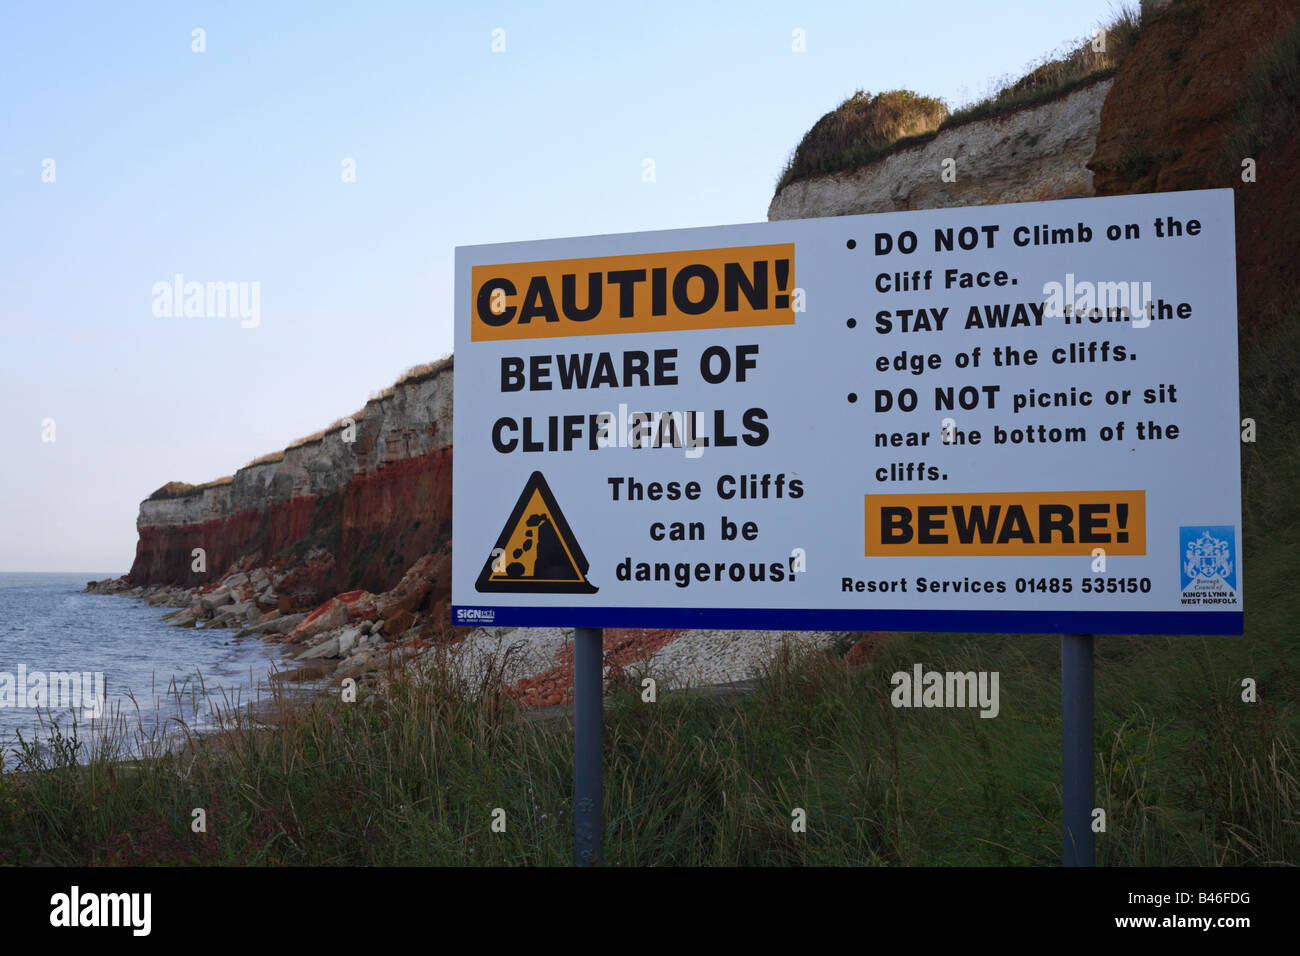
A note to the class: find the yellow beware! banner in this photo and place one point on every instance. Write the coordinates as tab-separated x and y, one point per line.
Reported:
1007	523
651	292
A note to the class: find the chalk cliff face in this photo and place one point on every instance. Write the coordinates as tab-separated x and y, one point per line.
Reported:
334	514
1033	154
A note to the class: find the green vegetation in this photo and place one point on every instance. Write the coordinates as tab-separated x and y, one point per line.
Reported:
1058	75
863	128
1135	164
1187	772
1270	110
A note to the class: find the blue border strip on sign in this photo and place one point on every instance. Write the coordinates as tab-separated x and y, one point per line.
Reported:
786	619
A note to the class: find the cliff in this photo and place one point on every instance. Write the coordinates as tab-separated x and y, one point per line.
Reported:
1208	87
1032	154
351	509
1205	87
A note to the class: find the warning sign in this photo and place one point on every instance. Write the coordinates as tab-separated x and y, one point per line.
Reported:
1008	419
536	552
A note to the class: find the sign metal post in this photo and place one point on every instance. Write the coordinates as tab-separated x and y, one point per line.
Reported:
1077	757
588	712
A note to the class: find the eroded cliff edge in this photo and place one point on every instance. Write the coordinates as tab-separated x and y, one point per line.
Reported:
351	509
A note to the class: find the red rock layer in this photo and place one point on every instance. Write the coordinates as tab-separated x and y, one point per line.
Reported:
1166	124
364	537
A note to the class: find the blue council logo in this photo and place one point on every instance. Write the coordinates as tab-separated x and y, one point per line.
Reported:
1208	557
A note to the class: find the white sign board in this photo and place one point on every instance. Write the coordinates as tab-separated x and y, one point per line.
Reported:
1016	418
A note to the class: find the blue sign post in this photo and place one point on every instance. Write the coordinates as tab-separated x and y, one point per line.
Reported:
588	713
1077	757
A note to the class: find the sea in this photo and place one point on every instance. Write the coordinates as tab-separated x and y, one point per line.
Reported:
158	682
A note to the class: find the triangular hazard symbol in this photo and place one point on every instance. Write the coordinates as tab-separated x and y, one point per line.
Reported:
536	552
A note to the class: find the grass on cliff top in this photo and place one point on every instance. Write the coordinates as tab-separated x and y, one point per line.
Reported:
180	489
861	129
1187	773
864	129
412	376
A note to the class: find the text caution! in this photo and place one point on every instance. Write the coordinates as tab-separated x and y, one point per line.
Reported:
659	292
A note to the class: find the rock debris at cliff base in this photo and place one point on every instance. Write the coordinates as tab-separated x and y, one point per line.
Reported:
353	636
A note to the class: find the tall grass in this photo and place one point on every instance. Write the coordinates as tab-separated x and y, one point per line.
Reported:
1057	73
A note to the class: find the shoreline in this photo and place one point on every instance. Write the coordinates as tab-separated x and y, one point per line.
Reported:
365	638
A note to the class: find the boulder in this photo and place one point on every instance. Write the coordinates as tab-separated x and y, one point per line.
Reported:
284	624
311	672
229	614
348	640
326	648
215	599
412	591
330	615
360	604
398	622
185	617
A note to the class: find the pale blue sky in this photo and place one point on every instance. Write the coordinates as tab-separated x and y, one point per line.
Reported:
225	166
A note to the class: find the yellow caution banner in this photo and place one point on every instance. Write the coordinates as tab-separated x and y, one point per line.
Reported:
652	292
